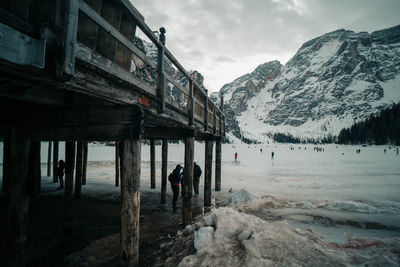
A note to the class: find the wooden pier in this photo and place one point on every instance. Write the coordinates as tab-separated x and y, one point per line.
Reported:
74	71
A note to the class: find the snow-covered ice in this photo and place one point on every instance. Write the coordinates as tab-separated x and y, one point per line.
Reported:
302	207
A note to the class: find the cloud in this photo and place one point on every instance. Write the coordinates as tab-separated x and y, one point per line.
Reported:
225	38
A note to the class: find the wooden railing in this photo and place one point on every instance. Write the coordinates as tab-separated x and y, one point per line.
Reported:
108	28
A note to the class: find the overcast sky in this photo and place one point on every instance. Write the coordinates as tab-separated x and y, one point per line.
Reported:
224	39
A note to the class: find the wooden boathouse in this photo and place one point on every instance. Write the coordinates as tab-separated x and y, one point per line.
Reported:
72	70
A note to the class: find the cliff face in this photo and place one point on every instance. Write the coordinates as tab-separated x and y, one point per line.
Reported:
332	81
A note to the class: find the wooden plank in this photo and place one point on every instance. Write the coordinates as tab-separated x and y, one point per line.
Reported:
191	103
176	84
160	81
85	160
208	172
49	149
85	54
71	27
6	163
87	28
130	157
218	153
117	163
78	171
170	133
164	170
123	55
69	170
152	164
34	173
55	161
17	23
18	199
107	27
106	43
206	114
188	181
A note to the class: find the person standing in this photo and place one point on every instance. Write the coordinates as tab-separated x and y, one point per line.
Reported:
272	155
196	178
175	179
236	154
60	173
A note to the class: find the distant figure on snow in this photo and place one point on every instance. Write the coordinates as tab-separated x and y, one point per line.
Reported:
175	179
272	155
397	151
236	154
60	173
384	151
261	150
162	35
196	178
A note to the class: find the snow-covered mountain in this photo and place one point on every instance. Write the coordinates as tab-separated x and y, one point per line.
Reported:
331	82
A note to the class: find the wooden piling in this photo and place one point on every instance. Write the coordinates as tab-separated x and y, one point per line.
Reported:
130	157
18	204
55	161
188	181
85	161
69	169
208	172
34	174
49	159
164	170
116	163
152	163
78	171
6	163
218	152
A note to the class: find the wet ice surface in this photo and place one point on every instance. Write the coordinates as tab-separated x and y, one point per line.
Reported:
335	205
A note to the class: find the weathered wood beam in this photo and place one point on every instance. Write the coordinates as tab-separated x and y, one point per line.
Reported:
6	163
117	163
218	153
164	170
15	22
130	156
85	161
55	161
152	164
69	170
208	172
34	173
160	81
191	103
170	133
78	171
18	197
49	149
188	181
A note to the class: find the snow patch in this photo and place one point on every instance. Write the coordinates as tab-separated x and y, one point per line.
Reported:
240	197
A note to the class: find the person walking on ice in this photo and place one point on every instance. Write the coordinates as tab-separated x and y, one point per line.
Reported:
60	173
196	178
272	155
175	179
236	154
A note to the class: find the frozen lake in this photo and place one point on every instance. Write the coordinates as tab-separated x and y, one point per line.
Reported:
337	193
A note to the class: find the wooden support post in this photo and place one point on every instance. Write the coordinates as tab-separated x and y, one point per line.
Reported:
218	165
78	171
206	114
188	181
116	163
49	159
20	145
160	80
55	161
208	172
152	163
130	155
6	163
34	174
85	161
164	170
191	102
69	169
214	121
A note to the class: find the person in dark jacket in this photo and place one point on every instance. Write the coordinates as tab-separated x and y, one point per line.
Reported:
175	179
196	178
60	173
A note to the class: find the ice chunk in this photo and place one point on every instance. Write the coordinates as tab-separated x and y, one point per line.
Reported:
203	238
240	197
